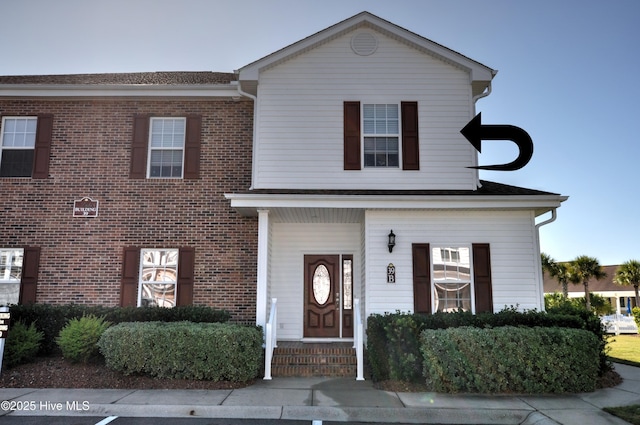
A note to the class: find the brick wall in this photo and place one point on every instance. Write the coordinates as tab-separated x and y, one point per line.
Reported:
81	258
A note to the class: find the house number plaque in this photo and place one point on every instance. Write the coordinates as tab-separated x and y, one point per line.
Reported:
391	273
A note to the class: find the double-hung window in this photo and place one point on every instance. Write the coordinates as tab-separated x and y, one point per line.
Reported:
452	286
10	275
158	277
166	147
17	147
381	132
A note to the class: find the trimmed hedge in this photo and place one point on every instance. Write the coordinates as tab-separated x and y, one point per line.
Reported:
393	346
184	350
510	360
50	319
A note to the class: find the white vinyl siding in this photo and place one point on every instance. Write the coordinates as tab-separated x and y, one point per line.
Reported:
516	279
299	131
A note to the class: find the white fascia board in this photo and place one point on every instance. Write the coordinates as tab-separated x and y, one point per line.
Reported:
124	90
533	202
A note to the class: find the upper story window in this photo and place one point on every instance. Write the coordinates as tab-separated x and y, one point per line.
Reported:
17	147
381	135
25	146
381	131
166	147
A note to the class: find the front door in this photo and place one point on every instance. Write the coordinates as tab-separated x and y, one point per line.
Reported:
322	296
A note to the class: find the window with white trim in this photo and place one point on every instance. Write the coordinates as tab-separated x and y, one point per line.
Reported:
451	279
17	146
381	132
10	275
158	277
166	147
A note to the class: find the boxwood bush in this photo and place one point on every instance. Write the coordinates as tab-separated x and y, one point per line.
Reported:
510	360
50	319
184	350
393	346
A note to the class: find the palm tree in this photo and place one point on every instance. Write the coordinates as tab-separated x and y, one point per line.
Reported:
558	270
581	270
629	274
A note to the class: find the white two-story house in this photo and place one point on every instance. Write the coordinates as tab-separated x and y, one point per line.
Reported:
362	186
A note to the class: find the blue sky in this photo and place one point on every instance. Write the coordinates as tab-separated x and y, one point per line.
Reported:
568	75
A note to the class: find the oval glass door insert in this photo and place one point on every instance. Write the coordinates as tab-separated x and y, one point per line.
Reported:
321	284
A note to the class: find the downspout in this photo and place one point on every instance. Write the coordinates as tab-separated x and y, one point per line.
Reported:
538	259
474	100
255	123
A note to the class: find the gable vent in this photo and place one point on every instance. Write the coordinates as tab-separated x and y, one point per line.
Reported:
364	44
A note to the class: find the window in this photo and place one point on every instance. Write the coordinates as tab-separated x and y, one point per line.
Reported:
381	131
158	277
166	147
10	275
18	144
451	279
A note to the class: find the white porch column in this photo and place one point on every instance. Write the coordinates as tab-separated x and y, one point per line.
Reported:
263	261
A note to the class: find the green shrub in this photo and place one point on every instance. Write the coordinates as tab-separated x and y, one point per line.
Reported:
184	350
50	319
22	344
79	338
510	360
393	339
636	315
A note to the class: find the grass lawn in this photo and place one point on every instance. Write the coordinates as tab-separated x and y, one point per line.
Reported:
625	348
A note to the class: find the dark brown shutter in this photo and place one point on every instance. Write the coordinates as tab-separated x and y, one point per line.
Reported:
139	147
352	136
410	140
29	282
129	280
186	263
482	277
42	151
192	147
421	279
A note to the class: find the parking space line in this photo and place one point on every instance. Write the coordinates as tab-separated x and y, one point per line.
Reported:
105	421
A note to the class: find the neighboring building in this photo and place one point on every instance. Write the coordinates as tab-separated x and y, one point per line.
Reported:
283	180
621	298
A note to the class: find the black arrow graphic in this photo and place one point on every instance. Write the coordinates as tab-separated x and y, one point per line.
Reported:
475	132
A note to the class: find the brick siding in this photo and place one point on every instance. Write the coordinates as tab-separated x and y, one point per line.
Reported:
81	258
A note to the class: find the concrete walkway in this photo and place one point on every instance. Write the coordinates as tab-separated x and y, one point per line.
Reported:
329	399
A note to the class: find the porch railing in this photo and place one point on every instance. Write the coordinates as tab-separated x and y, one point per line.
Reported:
271	341
358	340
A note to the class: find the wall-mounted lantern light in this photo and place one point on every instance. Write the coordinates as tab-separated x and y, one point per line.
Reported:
392	241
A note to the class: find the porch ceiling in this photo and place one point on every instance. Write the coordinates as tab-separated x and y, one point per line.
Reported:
316	215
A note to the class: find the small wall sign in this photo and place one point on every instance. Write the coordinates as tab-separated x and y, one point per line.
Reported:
391	273
4	324
85	207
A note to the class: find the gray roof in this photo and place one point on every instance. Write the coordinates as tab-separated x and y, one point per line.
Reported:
487	189
133	78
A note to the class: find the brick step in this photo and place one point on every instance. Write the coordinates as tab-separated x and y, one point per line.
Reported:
298	359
